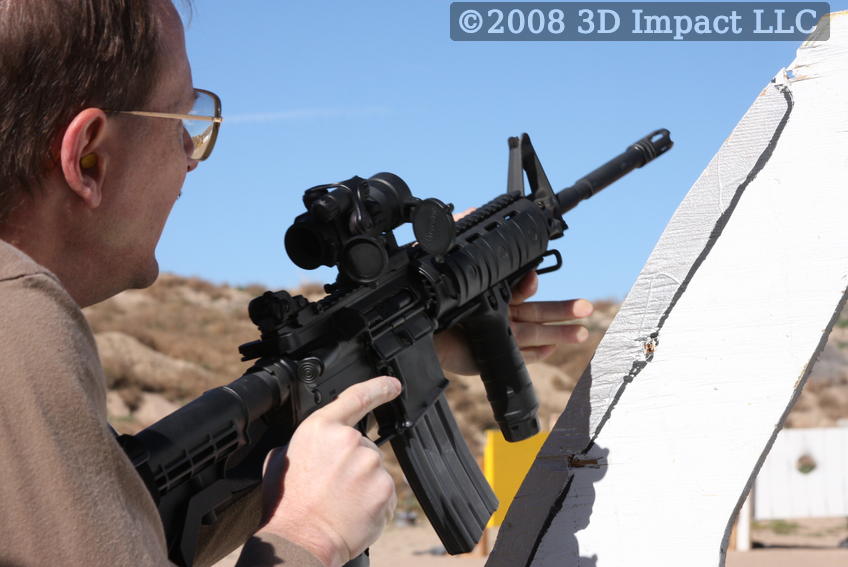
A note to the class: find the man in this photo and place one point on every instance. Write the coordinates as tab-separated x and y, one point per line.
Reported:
94	154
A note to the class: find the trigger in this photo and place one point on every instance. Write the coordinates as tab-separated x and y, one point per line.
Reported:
368	424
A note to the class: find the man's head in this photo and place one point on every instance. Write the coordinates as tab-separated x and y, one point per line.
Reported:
84	191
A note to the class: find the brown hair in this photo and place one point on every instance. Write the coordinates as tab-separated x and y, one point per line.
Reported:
58	57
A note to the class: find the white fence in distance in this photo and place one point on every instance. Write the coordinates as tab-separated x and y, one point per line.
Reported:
804	476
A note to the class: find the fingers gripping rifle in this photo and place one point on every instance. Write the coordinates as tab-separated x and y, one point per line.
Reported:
379	317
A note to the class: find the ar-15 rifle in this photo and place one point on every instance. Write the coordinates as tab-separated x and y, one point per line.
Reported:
379	317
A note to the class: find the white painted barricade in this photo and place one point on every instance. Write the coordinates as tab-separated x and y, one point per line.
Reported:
784	491
666	430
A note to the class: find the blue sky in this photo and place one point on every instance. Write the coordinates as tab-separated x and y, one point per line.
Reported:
315	92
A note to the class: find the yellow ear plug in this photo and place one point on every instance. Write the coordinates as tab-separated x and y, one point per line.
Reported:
88	161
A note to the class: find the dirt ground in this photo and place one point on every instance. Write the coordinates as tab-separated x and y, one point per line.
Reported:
815	533
415	547
809	542
788	558
816	540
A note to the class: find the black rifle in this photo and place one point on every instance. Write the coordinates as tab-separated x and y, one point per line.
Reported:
379	317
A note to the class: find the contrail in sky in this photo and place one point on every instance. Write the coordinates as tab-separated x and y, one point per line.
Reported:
305	114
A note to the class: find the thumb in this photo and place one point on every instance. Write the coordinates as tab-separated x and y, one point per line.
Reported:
360	399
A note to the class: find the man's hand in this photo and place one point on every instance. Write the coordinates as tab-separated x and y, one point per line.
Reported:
329	492
536	340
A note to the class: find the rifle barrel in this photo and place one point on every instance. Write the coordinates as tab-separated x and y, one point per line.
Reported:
636	155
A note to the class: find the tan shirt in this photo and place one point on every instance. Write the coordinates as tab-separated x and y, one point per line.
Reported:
68	493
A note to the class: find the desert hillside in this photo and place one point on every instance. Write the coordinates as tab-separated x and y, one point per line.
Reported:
165	345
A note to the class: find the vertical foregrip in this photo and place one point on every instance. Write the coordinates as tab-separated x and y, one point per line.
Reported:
502	368
445	478
504	238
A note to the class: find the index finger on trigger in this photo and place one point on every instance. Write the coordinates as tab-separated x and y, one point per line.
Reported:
360	399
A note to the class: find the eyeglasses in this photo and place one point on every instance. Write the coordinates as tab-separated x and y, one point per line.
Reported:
202	121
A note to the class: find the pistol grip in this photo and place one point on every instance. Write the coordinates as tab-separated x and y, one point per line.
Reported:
502	367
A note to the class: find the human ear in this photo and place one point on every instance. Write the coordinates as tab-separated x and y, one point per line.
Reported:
82	156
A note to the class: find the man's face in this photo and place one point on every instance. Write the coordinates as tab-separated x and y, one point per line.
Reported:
148	168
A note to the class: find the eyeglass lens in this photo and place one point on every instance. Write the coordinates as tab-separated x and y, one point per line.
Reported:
201	131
